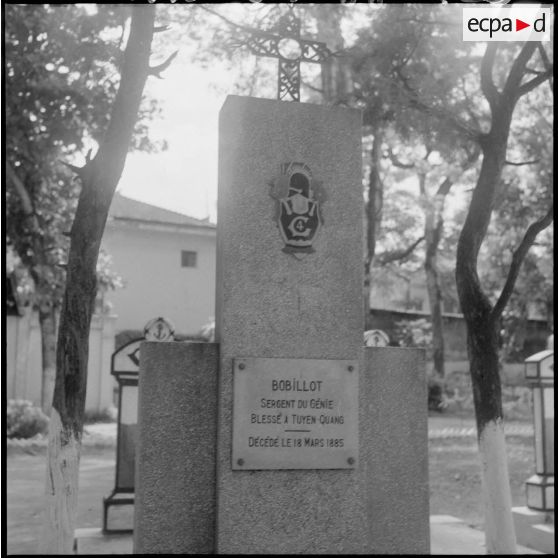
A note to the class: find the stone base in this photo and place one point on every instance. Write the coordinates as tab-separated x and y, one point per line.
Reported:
175	457
534	529
450	535
379	508
92	541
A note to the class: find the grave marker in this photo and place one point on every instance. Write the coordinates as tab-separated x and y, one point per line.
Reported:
222	471
125	368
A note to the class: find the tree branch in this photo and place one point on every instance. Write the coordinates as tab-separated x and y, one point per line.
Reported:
398	255
546	62
397	163
517	259
468	106
445	186
20	189
79	171
487	82
535	82
439	113
156	70
512	89
312	87
522	163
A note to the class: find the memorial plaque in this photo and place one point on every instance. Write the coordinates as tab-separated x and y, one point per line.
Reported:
295	414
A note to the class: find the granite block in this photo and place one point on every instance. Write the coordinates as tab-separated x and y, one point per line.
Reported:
394	450
175	466
272	304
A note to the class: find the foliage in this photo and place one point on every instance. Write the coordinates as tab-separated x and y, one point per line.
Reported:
104	415
207	332
24	420
435	394
62	72
414	333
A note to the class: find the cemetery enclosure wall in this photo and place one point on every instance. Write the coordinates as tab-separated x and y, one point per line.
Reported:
24	361
455	334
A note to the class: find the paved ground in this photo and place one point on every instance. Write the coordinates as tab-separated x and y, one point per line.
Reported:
449	535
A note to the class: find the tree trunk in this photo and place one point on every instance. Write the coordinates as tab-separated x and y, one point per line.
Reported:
435	301
482	344
373	211
99	179
433	226
336	79
47	323
482	348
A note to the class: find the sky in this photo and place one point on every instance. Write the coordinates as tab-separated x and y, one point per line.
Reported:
184	177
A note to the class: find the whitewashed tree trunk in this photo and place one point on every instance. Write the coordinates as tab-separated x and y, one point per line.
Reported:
61	491
499	527
482	316
99	178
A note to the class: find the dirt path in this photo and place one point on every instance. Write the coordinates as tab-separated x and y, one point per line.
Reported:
453	463
25	488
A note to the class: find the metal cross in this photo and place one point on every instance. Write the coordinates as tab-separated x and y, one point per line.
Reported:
284	42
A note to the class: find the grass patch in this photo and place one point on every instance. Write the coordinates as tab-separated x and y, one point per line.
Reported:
455	475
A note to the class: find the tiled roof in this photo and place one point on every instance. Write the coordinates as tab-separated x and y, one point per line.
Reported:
123	208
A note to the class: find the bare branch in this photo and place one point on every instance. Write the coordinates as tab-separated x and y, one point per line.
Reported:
535	82
397	163
312	87
522	163
445	186
487	81
20	189
546	62
468	105
422	183
225	19
517	259
512	89
156	70
441	114
398	255
77	170
161	28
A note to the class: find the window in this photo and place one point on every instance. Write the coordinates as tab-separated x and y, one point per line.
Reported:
189	259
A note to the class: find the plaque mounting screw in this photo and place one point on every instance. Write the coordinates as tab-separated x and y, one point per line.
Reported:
241	366
350	368
240	462
351	461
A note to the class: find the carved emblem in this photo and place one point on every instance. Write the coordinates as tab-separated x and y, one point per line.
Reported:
158	329
298	211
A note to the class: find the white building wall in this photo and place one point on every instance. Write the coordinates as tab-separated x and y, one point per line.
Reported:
148	258
24	360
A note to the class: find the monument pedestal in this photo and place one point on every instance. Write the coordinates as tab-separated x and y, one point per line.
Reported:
534	529
295	439
177	489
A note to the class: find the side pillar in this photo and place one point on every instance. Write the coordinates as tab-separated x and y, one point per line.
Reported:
394	450
175	460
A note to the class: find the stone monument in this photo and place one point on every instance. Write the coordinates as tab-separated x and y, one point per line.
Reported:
287	435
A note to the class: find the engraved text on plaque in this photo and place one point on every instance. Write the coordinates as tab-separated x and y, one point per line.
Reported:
295	414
